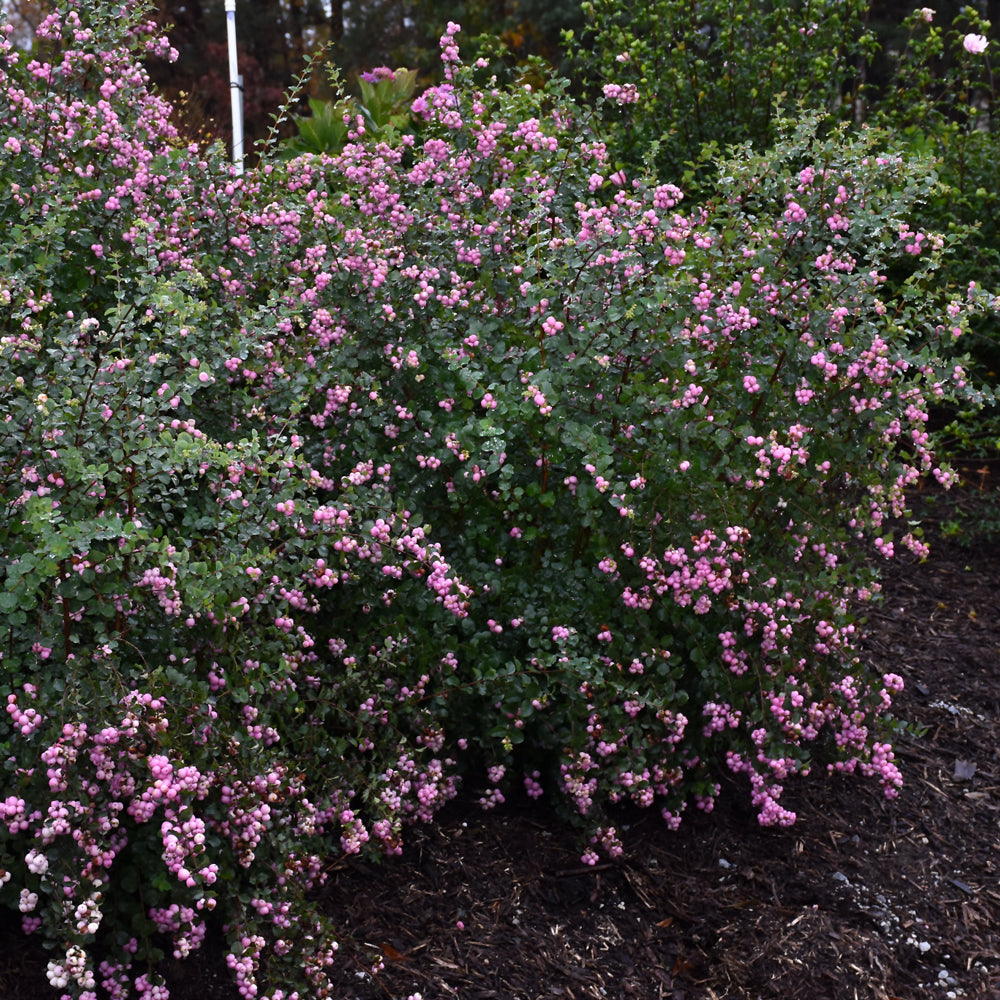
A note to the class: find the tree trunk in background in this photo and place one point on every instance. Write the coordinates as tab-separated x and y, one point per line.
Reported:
336	20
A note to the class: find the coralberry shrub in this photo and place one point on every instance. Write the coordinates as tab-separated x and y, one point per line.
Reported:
453	455
942	104
684	81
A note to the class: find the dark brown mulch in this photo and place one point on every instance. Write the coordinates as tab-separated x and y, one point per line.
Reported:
862	898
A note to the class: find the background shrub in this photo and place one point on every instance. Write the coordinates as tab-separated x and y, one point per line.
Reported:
720	73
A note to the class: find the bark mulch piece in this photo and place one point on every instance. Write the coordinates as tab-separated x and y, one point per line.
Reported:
861	898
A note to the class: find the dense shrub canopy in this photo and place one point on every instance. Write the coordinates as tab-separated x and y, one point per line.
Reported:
456	455
685	81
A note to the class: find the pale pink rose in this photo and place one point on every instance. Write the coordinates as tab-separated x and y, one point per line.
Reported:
926	14
976	44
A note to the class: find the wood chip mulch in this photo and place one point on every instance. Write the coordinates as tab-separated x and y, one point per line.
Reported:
861	898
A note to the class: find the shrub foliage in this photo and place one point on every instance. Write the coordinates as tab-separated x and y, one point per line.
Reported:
456	455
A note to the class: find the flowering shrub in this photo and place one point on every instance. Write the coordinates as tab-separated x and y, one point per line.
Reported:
943	105
459	456
682	81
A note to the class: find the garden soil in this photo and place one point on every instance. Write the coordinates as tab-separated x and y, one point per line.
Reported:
861	898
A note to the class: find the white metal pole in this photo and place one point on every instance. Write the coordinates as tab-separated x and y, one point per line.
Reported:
235	87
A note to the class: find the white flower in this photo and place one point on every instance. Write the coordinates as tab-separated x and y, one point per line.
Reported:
926	14
976	44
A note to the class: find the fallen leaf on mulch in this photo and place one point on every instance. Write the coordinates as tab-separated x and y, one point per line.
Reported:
964	770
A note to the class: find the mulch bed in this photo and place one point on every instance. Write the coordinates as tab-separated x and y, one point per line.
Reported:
861	898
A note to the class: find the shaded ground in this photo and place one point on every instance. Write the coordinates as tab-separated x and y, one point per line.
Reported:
862	898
